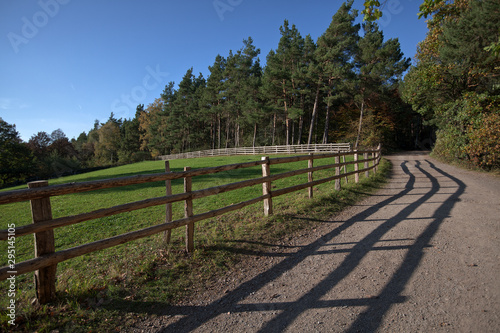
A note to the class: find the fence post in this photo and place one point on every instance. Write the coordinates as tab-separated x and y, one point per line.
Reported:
356	168
266	187
378	154
373	163
45	278
188	212
337	173
168	207
365	157
310	164
345	169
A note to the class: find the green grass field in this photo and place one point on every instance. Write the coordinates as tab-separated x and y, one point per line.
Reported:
109	283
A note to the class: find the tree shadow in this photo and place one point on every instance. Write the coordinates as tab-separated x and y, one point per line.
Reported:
194	317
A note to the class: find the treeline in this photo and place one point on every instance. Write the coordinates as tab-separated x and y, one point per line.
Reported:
343	87
455	84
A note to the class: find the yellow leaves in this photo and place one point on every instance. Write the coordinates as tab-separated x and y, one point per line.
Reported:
147	119
484	147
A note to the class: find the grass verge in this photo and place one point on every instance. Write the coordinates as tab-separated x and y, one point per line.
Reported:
111	289
466	165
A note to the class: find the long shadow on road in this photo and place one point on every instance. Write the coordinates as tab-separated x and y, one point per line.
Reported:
372	317
194	317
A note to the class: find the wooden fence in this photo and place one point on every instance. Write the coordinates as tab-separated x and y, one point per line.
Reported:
290	149
39	193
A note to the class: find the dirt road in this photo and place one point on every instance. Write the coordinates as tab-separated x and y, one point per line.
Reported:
421	255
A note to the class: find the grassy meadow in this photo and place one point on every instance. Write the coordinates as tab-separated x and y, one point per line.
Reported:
120	283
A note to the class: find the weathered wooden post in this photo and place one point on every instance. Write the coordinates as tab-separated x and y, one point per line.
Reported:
345	169
45	278
374	163
373	158
168	208
356	168
188	212
266	187
310	178
337	173
365	157
379	154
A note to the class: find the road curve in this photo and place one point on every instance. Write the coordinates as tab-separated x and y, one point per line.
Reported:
421	255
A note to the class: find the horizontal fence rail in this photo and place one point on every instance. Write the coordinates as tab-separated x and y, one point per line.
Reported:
39	193
290	149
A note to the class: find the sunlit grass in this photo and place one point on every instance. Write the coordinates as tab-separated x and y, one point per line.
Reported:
108	283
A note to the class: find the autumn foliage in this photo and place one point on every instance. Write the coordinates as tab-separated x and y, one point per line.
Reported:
484	141
455	84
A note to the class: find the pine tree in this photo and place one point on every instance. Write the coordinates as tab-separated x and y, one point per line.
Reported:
281	76
249	95
241	80
305	82
212	99
379	65
130	139
186	128
336	48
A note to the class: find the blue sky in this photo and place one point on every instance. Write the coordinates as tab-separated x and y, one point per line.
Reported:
65	63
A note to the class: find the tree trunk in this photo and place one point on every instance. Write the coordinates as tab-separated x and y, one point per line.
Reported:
327	122
237	135
313	116
274	129
360	123
254	135
213	131
219	133
227	133
301	123
287	122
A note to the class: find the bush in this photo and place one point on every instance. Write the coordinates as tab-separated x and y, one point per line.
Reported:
484	142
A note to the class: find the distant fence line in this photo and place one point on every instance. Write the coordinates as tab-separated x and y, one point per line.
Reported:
290	149
39	193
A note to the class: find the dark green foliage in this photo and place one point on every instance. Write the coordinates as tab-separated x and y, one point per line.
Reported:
463	47
380	65
16	159
455	85
336	50
284	78
212	101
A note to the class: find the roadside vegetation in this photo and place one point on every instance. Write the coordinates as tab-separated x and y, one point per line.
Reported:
454	84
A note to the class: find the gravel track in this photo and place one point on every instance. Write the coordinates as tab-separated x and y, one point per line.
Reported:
421	255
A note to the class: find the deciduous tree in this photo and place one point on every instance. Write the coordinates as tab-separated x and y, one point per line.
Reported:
16	159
